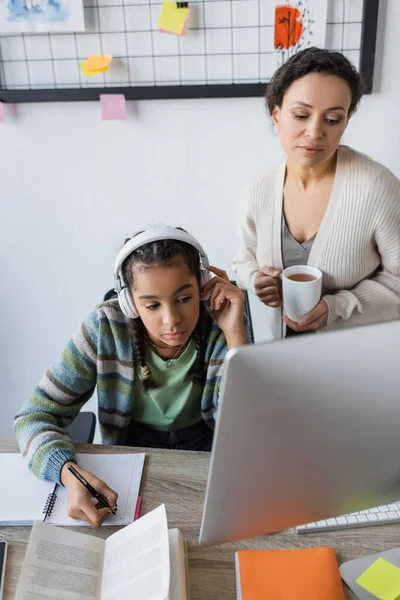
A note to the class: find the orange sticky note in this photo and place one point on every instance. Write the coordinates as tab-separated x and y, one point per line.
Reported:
306	574
96	63
173	19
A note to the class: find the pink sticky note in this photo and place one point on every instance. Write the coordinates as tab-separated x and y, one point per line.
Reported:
186	25
1	112
113	107
137	509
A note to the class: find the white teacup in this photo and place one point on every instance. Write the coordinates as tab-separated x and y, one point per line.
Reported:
300	296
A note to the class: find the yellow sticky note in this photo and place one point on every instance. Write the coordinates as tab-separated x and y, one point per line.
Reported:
172	18
90	73
382	579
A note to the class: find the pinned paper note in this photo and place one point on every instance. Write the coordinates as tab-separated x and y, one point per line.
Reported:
113	107
185	27
288	26
1	112
173	18
90	73
382	579
95	64
298	25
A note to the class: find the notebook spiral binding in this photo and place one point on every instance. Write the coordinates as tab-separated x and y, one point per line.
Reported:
50	502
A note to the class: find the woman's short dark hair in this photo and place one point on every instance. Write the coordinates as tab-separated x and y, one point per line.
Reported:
314	60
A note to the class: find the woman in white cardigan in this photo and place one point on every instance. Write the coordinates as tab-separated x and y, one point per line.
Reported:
325	204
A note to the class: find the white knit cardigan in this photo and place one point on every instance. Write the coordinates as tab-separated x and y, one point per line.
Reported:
357	246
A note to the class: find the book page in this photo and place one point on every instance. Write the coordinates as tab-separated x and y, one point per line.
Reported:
136	560
179	584
121	472
60	563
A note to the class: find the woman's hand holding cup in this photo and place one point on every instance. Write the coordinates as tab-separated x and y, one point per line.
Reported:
314	320
268	286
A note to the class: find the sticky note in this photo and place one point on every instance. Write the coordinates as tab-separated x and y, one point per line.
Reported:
173	19
95	64
1	112
87	73
185	27
113	107
382	579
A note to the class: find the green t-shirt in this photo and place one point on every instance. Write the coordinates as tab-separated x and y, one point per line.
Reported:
176	401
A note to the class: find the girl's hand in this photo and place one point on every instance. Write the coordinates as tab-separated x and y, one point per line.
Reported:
268	286
226	303
80	505
316	319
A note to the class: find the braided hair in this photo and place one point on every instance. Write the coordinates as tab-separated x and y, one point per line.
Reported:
163	252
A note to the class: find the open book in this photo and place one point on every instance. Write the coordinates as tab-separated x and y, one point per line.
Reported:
29	499
143	561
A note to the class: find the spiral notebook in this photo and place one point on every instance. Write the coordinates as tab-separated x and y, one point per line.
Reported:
26	499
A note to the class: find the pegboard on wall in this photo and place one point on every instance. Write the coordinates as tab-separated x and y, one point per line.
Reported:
228	51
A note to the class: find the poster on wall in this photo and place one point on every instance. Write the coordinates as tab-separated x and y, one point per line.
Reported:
36	16
299	24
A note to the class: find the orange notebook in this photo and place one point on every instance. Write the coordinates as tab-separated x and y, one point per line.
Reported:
307	574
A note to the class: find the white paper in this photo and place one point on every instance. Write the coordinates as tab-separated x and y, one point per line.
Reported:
121	472
313	16
26	494
136	560
319	13
61	564
41	16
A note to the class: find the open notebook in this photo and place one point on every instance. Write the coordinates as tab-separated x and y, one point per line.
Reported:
29	499
143	561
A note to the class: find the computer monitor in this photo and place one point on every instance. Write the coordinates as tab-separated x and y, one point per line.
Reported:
308	428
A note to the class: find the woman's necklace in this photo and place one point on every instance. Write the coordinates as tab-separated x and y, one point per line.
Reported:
169	363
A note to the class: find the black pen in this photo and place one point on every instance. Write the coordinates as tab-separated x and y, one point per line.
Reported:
91	489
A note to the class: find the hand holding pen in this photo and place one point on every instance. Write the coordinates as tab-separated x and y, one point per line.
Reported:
81	486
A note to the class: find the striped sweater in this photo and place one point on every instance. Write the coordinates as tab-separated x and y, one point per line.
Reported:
99	356
357	246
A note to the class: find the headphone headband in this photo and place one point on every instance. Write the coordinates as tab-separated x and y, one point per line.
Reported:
154	235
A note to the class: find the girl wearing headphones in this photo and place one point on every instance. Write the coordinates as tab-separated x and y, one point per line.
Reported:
154	356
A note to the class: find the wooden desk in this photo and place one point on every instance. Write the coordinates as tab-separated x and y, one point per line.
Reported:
177	479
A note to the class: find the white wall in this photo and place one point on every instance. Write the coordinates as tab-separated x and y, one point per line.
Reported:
73	187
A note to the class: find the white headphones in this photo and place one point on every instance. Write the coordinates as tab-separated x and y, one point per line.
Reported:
152	235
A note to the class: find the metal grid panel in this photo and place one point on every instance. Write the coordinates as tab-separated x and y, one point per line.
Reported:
227	52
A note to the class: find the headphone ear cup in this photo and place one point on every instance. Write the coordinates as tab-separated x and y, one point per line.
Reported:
205	276
126	303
